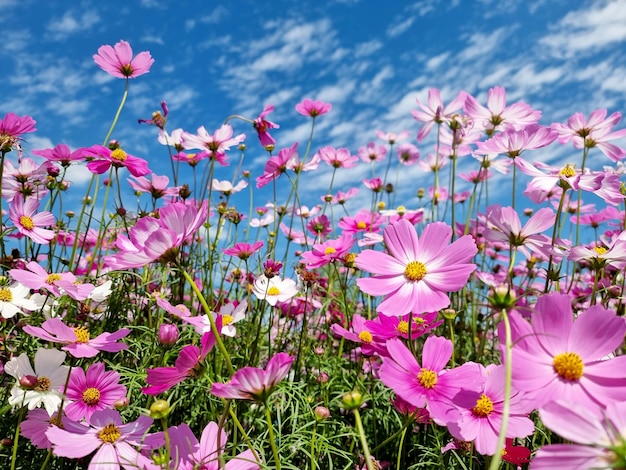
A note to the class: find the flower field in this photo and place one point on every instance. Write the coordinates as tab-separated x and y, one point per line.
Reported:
226	319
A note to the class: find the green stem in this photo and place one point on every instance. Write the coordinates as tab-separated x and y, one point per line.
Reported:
270	428
17	435
207	310
117	114
506	406
361	431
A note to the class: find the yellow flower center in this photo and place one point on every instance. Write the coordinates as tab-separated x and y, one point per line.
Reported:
427	378
6	295
82	334
570	366
119	155
401	210
27	222
109	434
600	250
568	171
361	225
415	271
329	250
484	406
227	320
91	396
273	291
52	278
43	384
403	327
365	336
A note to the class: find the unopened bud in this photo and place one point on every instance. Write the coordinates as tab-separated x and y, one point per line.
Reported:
121	403
352	400
159	409
28	381
321	413
168	334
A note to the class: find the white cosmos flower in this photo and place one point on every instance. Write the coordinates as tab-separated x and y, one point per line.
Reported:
14	298
47	379
274	289
227	187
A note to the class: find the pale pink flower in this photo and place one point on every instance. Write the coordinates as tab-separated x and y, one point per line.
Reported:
36	277
77	340
226	187
372	153
327	252
216	144
274	290
157	187
435	112
337	158
392	137
119	62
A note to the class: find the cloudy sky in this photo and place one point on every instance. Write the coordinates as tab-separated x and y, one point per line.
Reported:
370	59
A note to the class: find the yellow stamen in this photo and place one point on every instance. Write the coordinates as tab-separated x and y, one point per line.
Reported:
365	337
109	434
570	366
91	396
568	170
6	295
415	271
403	327
227	320
273	291
43	384
329	250
427	378
26	222
82	334
600	250
484	406
119	155
361	225
52	278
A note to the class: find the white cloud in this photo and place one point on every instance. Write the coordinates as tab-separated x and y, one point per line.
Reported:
218	14
71	23
367	48
397	29
434	62
588	29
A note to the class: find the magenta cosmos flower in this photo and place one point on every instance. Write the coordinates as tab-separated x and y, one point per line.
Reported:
77	340
555	357
596	435
102	158
91	392
61	154
276	165
329	251
480	414
430	385
253	383
190	357
418	272
115	444
118	60
12	127
36	277
308	107
27	222
262	126
243	250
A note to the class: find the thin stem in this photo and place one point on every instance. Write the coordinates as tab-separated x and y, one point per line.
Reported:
361	431
117	114
270	428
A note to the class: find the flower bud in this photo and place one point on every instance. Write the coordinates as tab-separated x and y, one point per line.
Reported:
159	409
121	403
168	334
28	381
449	313
321	413
352	400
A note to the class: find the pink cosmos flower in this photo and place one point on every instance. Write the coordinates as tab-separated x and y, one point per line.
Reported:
363	221
12	127
408	154
359	333
385	327
375	184
243	250
417	272
216	144
76	340
555	357
504	226
593	132
61	154
157	187
513	143
596	436
392	137
118	60
158	239
158	118
319	226
498	116
308	107
161	379
115	444
262	126
341	197
276	165
372	153
36	277
29	223
337	158
252	383
327	252
228	315
435	112
430	385
87	393
480	414
189	454
102	158
34	427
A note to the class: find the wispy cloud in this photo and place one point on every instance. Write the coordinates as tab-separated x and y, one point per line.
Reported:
396	29
588	29
70	23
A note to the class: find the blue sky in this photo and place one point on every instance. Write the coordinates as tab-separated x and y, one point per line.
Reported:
370	59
